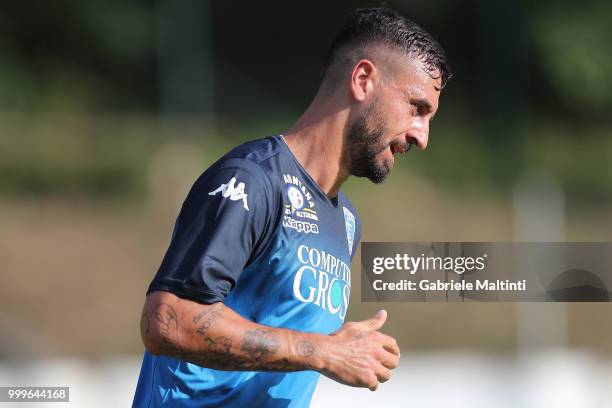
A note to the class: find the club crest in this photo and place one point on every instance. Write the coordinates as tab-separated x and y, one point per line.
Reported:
349	221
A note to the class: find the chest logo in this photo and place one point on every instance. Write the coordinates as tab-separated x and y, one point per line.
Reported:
295	198
233	192
299	212
349	221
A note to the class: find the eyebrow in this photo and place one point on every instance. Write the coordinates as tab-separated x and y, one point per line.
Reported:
422	103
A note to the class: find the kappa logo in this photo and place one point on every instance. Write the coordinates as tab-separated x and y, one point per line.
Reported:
300	226
233	192
349	221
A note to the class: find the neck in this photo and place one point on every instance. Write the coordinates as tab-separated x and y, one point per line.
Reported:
317	142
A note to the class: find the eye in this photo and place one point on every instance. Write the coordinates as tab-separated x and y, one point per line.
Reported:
421	110
414	109
420	107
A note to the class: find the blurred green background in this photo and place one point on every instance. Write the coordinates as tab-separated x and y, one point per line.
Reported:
109	110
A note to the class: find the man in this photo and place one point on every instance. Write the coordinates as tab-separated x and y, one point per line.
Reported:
249	302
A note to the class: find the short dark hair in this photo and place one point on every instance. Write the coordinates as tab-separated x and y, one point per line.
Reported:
382	25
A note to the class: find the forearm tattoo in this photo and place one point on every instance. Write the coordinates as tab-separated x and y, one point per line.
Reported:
258	350
168	324
305	348
260	344
209	315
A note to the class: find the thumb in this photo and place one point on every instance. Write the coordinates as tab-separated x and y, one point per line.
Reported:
376	322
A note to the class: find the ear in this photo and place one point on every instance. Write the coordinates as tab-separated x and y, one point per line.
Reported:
362	79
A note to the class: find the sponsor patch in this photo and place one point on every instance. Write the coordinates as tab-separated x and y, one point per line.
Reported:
299	214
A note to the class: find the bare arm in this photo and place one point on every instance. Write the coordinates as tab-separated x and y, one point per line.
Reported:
215	336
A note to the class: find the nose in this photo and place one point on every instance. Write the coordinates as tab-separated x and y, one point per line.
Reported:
422	126
419	135
422	139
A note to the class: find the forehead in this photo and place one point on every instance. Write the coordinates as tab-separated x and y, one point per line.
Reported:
409	75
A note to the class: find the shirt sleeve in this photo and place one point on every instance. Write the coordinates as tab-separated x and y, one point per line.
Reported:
223	225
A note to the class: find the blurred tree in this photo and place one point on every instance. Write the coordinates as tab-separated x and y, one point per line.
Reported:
523	71
573	46
68	56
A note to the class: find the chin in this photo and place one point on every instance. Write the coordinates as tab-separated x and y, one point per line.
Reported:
378	173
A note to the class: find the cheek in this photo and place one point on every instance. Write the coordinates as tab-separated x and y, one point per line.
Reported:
399	119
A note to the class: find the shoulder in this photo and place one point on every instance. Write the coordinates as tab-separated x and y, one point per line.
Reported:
257	151
256	159
246	172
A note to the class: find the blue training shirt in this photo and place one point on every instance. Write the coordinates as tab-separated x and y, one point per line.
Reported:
257	233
